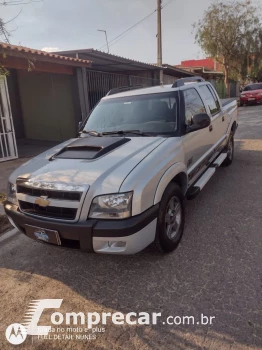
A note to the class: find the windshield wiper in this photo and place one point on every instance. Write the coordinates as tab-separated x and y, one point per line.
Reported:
116	132
122	132
90	132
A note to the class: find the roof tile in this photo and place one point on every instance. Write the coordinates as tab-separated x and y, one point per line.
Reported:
40	53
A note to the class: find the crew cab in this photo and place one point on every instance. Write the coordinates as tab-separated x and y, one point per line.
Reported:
251	94
122	183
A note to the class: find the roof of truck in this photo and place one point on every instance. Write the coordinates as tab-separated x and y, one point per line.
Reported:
144	91
150	90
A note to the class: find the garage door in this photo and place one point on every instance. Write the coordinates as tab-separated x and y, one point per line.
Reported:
47	106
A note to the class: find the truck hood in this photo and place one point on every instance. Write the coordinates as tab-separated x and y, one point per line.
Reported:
108	171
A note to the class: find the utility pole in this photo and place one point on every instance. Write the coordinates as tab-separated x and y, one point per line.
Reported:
101	30
159	39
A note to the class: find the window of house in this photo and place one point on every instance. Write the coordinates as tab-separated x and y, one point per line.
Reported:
193	105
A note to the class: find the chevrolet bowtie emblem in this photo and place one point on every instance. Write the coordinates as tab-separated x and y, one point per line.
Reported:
42	201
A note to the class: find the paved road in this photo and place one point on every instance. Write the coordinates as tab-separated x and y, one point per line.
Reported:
216	271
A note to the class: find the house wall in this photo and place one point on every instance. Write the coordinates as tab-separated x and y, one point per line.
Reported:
208	63
47	105
168	79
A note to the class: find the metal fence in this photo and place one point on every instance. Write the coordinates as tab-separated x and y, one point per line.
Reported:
220	87
99	83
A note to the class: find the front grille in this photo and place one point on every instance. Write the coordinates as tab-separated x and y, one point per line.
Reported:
51	212
63	204
38	192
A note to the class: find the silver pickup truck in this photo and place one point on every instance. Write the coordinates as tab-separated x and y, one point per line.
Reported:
122	183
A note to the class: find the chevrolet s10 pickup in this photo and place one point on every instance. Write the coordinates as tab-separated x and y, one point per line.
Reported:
121	184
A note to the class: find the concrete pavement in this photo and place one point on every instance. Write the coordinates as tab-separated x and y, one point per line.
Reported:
216	271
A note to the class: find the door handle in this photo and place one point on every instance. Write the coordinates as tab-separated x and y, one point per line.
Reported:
223	119
210	127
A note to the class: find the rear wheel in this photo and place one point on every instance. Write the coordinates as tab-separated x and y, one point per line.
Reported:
171	219
229	150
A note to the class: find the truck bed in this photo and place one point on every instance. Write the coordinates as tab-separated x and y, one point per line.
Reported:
225	101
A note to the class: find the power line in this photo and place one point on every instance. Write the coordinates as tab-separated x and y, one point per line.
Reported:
135	25
18	2
122	35
167	3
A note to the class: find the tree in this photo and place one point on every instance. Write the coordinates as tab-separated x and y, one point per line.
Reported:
228	32
253	68
5	34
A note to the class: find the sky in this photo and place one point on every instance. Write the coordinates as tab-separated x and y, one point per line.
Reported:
59	25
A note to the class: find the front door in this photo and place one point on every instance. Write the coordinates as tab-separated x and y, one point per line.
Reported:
196	144
8	149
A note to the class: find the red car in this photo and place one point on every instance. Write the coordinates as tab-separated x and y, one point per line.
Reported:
251	93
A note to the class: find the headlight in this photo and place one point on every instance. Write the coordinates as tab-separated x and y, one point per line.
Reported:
242	95
11	193
112	206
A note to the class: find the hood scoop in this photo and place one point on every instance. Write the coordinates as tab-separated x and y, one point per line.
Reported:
90	147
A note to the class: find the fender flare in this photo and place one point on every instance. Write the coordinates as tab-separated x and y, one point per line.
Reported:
168	176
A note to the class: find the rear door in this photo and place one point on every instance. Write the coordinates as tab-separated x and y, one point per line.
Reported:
224	116
218	120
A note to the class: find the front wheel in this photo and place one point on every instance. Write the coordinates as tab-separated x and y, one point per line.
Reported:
171	219
230	151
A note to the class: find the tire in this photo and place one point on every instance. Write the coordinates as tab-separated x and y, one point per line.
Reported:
241	104
230	151
172	202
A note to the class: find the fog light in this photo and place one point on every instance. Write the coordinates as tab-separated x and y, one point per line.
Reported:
11	193
116	244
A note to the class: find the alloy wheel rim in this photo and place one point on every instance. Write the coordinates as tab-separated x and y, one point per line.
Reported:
173	218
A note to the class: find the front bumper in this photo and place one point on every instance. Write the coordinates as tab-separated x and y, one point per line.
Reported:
246	100
127	236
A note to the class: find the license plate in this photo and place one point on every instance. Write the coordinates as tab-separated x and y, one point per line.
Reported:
43	235
251	99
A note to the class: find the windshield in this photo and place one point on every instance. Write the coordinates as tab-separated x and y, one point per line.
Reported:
154	113
253	87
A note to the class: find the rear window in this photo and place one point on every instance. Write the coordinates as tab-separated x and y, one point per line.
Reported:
210	100
253	87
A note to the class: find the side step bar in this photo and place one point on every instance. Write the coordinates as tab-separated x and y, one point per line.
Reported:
203	180
219	160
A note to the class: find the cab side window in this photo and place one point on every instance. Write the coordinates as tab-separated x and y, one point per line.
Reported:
193	105
209	99
215	96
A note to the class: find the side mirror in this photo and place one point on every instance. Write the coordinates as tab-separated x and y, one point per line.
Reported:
199	121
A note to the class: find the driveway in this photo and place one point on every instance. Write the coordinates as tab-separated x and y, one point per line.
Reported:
216	271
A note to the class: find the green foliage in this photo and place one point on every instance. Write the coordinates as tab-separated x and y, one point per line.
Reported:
5	35
230	32
3	70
